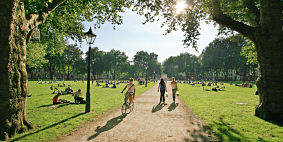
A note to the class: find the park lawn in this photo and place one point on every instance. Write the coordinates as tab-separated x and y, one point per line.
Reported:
227	120
50	123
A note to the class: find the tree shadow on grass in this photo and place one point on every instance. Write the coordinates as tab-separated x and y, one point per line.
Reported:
48	127
157	107
57	105
225	131
108	126
200	135
172	106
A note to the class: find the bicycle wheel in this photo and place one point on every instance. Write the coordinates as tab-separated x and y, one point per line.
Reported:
124	109
132	106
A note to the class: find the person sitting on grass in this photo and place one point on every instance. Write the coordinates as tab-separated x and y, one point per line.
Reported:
97	83
106	85
78	96
250	85
56	99
114	86
209	84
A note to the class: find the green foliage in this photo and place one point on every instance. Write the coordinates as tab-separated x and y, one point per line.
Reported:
223	55
227	120
220	58
52	122
146	64
74	11
222	52
249	52
35	55
185	63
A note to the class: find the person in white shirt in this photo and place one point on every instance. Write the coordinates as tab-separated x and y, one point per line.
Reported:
174	88
130	94
78	96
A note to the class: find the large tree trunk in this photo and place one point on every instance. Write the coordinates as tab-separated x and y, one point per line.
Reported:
269	82
269	46
13	84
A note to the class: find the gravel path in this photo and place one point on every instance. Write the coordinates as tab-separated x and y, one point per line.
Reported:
148	122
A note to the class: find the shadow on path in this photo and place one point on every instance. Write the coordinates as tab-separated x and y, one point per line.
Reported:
157	107
108	126
172	106
48	127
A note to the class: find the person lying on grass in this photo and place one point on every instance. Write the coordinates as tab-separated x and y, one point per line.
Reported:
69	90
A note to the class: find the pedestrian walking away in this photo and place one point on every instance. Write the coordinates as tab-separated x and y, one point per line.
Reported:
162	88
174	88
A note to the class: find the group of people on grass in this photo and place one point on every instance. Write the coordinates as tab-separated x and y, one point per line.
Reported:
77	97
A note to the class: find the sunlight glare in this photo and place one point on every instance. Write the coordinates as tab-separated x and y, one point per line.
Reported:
180	6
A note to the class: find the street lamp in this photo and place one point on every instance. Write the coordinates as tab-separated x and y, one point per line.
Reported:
146	77
154	75
90	37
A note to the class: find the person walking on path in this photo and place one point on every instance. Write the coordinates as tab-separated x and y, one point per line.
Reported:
174	88
162	88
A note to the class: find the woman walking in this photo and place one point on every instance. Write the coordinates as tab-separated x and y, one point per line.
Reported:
162	88
174	88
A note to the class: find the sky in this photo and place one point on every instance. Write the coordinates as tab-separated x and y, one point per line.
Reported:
133	36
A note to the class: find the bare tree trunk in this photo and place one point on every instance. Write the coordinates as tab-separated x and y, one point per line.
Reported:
269	82
13	84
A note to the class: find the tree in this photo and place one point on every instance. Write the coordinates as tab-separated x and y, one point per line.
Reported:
223	55
97	61
19	18
35	56
184	64
258	20
143	60
71	56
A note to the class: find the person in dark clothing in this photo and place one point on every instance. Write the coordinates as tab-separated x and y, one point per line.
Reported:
162	88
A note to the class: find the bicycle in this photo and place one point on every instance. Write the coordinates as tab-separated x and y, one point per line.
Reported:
127	107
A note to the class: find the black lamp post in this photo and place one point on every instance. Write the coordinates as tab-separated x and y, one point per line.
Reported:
145	76
90	37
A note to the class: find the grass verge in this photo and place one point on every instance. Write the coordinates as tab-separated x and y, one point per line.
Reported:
51	122
228	120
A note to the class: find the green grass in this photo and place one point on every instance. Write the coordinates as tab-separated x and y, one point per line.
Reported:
227	120
52	122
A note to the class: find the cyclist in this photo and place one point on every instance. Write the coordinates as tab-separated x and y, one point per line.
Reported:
130	94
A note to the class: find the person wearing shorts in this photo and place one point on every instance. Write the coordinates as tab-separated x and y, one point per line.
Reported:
174	88
130	94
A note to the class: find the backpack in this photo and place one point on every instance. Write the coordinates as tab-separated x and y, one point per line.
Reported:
162	87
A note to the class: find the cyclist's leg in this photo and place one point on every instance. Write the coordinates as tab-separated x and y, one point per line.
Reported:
131	98
126	98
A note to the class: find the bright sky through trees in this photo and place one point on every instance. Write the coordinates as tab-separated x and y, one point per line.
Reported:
132	36
181	5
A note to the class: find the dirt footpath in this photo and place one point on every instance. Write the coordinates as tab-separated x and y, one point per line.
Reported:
149	122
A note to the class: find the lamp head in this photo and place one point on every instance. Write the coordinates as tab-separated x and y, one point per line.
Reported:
90	36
